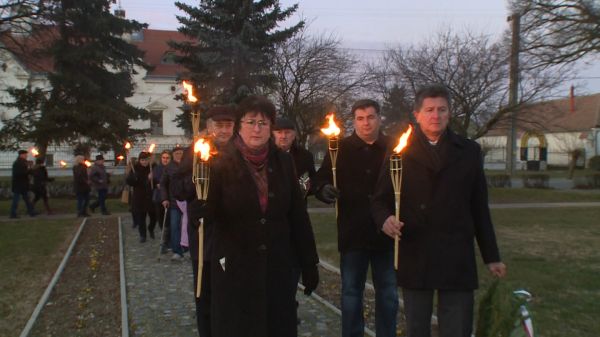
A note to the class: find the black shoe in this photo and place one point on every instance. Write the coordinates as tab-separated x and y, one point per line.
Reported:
142	239
14	217
151	234
106	213
87	214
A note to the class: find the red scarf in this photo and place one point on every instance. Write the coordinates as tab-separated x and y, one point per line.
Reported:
256	160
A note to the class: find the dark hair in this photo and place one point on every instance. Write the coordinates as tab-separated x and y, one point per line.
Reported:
431	91
365	103
167	152
258	104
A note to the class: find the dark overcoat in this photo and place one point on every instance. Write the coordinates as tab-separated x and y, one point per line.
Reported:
252	289
444	206
81	183
20	176
141	199
358	166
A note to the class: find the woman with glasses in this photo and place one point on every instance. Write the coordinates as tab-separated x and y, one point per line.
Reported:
260	227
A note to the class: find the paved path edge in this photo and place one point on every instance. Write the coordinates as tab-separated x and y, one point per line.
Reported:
124	316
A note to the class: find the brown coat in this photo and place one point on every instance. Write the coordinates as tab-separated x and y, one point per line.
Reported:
252	288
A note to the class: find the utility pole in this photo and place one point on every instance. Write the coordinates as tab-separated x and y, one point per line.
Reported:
513	93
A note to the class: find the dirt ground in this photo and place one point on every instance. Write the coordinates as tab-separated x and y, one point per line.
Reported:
86	299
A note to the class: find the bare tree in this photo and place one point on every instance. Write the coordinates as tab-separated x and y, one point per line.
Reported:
475	70
559	31
314	76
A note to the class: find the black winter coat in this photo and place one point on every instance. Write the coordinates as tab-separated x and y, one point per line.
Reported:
20	176
40	178
81	182
358	166
141	200
252	289
444	206
305	164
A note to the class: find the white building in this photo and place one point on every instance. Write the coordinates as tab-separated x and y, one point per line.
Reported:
547	133
155	90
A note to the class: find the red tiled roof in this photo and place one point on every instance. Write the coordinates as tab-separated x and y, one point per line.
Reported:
556	116
153	42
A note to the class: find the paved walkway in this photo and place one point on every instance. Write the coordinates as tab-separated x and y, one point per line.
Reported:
160	295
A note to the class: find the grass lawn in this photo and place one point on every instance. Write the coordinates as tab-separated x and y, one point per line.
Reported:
554	254
525	195
60	206
30	251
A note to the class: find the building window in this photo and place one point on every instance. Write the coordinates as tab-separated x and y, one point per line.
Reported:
168	58
156	122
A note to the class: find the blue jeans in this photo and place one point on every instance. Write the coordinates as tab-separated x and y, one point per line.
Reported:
354	266
15	203
83	199
176	229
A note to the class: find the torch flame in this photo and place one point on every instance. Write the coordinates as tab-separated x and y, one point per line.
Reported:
151	148
63	163
403	141
121	157
190	94
87	163
127	145
35	152
203	147
332	129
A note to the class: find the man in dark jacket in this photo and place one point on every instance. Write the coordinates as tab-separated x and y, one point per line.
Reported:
20	184
359	160
284	135
99	179
81	184
141	201
444	207
40	182
171	185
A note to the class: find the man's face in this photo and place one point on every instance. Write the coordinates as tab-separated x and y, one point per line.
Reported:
433	117
366	124
221	130
23	156
284	138
100	162
165	158
177	155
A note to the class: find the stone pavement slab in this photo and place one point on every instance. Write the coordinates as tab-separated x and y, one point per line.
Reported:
160	295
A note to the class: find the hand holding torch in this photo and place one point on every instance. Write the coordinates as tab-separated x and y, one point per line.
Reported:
332	131
396	175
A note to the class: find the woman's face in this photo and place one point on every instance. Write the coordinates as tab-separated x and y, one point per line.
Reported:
165	158
255	130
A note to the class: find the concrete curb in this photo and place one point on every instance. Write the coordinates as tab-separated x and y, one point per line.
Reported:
53	281
124	316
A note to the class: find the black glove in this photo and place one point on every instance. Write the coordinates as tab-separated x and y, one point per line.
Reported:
197	209
327	194
310	279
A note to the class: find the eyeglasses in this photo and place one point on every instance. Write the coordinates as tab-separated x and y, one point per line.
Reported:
253	122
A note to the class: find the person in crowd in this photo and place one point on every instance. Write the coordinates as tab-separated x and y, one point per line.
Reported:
100	179
444	207
171	186
284	135
40	182
161	212
359	160
20	185
259	219
82	185
219	128
141	201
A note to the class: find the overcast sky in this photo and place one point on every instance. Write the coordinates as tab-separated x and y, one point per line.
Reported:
374	24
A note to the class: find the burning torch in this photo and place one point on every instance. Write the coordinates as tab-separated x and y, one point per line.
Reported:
201	178
127	148
151	150
396	174
332	131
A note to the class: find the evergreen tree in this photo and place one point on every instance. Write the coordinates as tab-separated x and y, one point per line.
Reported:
396	110
232	43
90	81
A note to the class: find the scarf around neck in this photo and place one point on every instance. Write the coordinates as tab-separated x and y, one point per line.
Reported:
256	161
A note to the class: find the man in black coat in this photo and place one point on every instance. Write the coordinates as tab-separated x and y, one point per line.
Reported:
359	161
284	135
444	206
20	184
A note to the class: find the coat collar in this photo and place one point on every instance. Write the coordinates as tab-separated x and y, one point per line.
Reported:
382	141
451	151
